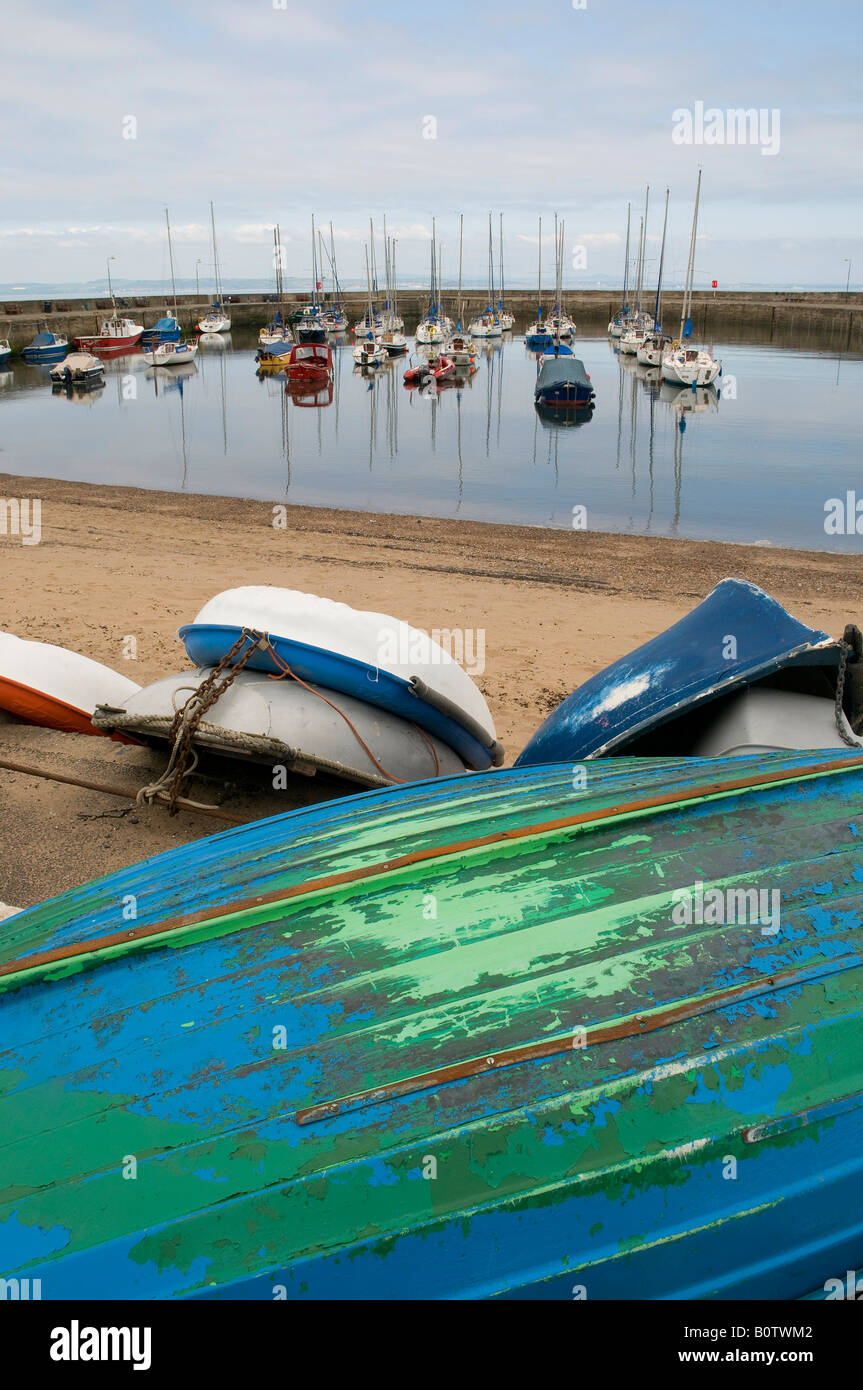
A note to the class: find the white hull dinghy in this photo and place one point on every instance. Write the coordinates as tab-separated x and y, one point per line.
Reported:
304	727
374	657
56	688
171	354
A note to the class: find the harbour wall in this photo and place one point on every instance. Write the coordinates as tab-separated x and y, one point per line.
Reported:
831	321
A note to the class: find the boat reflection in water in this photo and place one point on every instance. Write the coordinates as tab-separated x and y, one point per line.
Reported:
310	394
563	416
214	342
685	399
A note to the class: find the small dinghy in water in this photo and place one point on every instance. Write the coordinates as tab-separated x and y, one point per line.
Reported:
305	728
737	675
55	688
373	657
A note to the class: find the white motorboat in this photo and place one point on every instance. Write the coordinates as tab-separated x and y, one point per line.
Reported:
274	333
5	351
561	326
78	369
430	330
631	340
395	344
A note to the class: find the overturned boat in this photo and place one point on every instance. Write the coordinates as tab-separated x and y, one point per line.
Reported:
372	656
54	687
738	674
304	728
482	1037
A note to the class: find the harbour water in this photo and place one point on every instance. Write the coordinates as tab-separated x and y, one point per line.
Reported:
756	462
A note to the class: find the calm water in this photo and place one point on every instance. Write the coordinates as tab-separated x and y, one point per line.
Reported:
756	463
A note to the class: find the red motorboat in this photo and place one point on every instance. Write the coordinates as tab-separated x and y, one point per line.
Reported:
115	336
436	369
309	363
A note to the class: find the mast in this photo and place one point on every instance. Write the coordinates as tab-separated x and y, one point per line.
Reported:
333	264
440	283
656	321
460	241
171	261
490	271
539	280
374	266
687	293
432	288
321	261
314	267
395	288
626	260
215	257
642	239
369	284
500	262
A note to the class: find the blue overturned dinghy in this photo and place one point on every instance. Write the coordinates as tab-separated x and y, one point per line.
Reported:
737	674
370	656
540	1089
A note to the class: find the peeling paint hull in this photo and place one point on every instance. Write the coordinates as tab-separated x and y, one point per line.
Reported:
451	1041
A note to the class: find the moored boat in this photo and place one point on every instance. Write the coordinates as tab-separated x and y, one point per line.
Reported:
683	363
309	362
78	369
164	330
563	381
116	335
171	354
550	993
5	351
46	347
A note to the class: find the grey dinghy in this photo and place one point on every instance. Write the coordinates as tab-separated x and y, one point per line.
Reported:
268	721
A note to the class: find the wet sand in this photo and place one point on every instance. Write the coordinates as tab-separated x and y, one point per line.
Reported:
115	563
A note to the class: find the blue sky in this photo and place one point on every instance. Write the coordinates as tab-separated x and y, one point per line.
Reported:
275	112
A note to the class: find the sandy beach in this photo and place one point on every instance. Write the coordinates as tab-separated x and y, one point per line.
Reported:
115	563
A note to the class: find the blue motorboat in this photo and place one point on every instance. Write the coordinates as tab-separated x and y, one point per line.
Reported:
46	347
738	673
563	381
164	330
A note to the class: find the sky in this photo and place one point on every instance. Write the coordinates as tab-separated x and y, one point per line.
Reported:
276	110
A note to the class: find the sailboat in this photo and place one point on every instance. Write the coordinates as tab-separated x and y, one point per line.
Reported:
162	346
430	329
538	335
560	325
507	320
216	321
277	330
391	319
640	323
310	326
369	351
460	349
690	366
488	325
167	328
615	328
653	346
390	337
335	318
